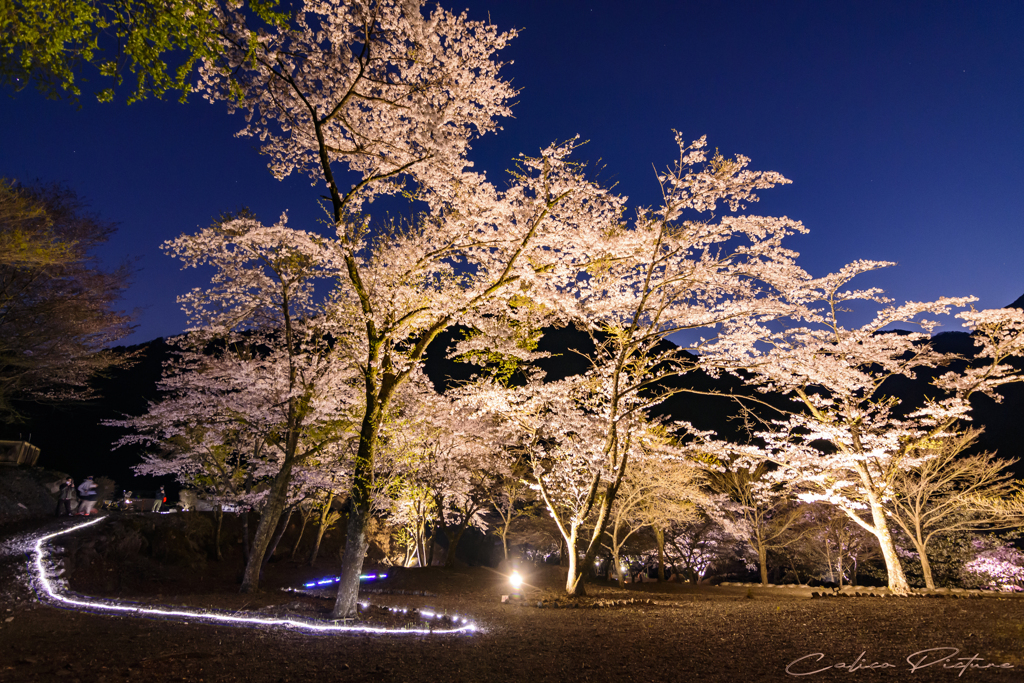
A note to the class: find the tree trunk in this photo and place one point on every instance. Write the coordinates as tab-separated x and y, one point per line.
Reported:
346	605
302	531
246	549
453	543
897	579
321	529
926	567
218	519
356	543
659	538
433	540
575	582
278	535
421	542
762	561
796	574
408	553
268	522
618	567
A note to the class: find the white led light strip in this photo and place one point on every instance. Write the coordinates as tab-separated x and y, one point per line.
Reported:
39	564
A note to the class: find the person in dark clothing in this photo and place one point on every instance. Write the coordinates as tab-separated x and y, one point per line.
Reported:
65	496
161	498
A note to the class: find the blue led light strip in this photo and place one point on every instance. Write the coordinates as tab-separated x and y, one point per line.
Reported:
38	564
336	579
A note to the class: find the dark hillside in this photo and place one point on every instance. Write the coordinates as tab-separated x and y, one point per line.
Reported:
73	440
71	437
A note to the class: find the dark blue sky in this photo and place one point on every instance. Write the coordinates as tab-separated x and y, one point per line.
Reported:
900	123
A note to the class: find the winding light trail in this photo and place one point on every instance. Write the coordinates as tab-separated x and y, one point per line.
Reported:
40	560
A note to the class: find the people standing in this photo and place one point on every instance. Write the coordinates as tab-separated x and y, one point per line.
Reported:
87	496
65	496
161	498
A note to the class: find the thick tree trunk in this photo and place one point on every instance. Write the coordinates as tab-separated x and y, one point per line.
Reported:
278	535
762	561
356	543
453	543
575	584
268	523
659	538
897	579
346	605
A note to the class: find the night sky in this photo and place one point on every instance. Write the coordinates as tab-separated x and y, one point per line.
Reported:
901	125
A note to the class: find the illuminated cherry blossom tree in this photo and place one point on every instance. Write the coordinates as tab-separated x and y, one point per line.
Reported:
657	492
393	98
850	437
951	492
262	298
767	506
679	268
454	461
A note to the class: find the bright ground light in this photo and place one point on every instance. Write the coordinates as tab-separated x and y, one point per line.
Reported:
52	587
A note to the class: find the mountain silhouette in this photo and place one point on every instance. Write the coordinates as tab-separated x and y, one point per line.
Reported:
73	440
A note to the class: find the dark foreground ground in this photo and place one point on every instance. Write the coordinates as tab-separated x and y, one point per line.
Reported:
687	634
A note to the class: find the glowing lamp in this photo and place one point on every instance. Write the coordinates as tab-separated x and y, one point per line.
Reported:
516	580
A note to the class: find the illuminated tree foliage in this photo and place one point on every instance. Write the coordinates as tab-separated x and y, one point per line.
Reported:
55	46
768	508
951	492
849	437
56	302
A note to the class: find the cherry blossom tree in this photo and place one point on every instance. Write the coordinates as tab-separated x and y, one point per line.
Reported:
1000	567
262	297
767	506
510	494
208	431
405	95
705	544
850	437
562	425
671	270
830	545
657	492
450	454
951	492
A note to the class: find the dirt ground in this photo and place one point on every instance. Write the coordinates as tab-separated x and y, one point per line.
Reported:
646	632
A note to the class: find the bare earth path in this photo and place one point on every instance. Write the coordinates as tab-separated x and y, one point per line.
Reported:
688	634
